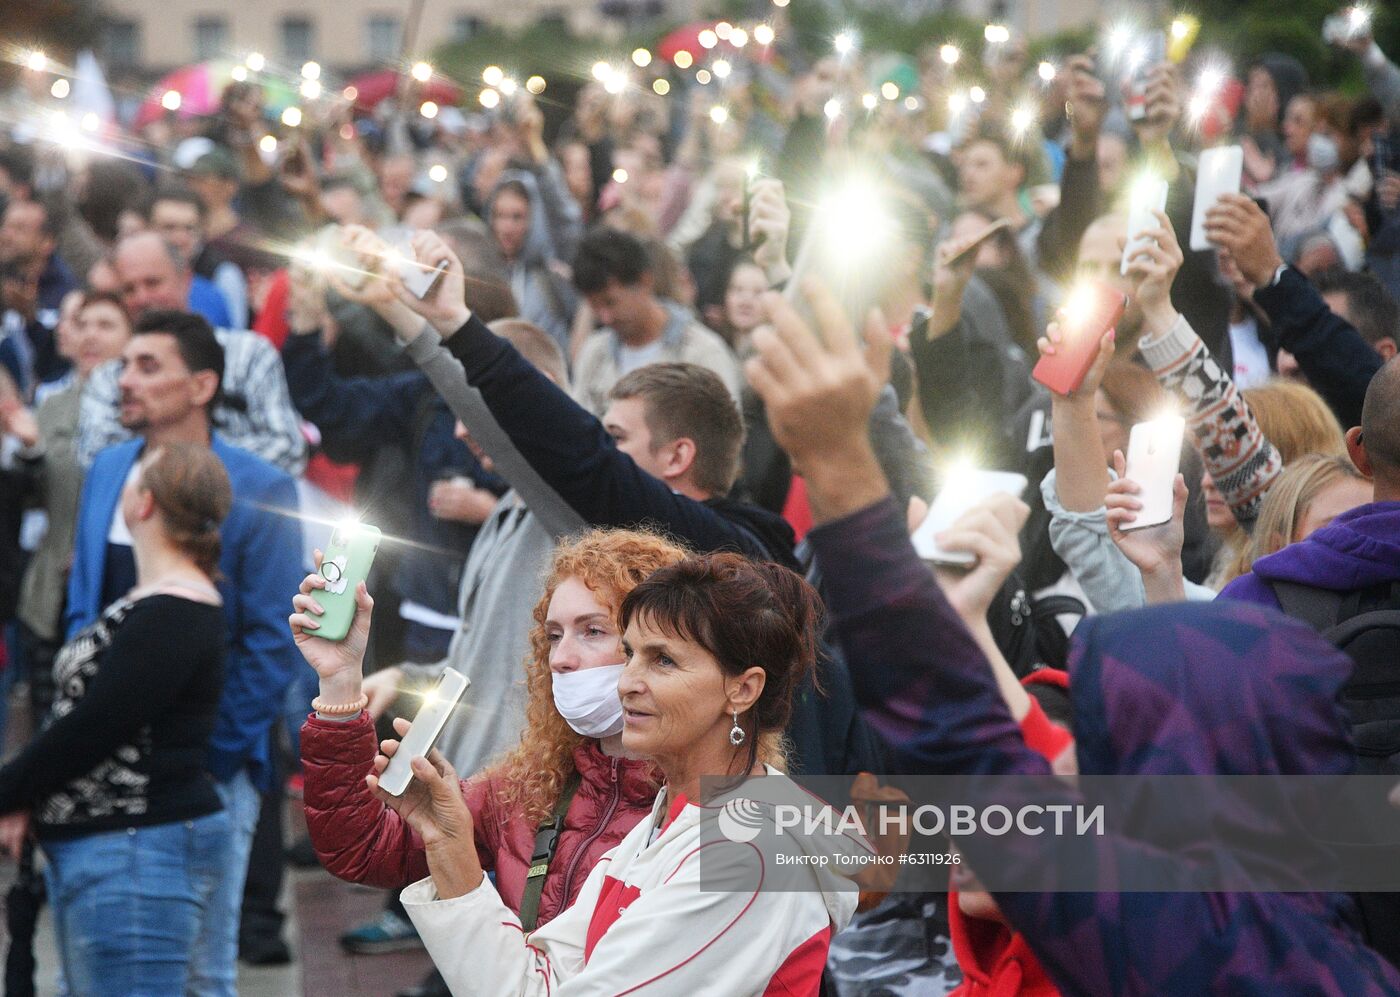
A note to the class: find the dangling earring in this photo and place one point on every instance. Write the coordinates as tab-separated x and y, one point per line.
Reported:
736	733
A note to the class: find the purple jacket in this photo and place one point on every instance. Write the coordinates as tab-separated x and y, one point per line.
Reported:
1358	549
1187	689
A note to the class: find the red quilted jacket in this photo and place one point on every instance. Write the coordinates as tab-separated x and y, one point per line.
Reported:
359	839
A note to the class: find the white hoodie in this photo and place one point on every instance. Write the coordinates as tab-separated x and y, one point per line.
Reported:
643	924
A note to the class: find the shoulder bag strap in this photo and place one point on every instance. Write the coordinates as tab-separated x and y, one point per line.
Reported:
546	841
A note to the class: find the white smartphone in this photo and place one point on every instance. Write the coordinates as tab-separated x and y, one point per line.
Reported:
1148	195
1154	455
417	277
962	490
332	253
423	732
1220	171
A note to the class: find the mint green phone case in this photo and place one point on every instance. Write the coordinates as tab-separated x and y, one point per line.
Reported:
345	564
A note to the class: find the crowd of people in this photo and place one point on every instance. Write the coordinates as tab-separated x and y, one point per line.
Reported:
646	396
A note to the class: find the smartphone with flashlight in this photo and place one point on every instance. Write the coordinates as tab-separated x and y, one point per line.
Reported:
1092	309
963	489
1219	172
850	234
1147	195
329	251
1154	454
1147	54
432	716
971	248
752	175
417	277
1347	25
345	563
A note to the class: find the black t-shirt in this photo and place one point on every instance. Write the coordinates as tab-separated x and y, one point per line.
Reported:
127	740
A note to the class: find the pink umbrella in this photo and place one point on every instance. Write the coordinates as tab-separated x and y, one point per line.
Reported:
199	87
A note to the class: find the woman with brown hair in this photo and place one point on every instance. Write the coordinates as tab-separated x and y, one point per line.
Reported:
568	771
121	801
715	647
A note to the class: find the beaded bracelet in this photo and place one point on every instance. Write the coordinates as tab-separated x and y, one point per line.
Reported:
339	709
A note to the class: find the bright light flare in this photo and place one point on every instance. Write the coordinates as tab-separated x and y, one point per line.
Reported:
422	71
869	102
684	60
255	62
437	173
509	87
641	58
428	109
844	43
267	144
763	34
911	103
738	38
619	175
239	74
719	114
1047	72
492	75
1180	28
1078	307
1120	37
957	103
311	71
36	61
855	222
60	88
660	87
1023	119
703	77
291	117
996	34
707	39
616	83
723	30
1208	86
721	68
310	89
950	54
1359	19
832	109
489	98
889	90
171	100
977	95
536	85
601	72
91	122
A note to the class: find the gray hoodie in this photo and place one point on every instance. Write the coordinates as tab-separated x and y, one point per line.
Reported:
545	296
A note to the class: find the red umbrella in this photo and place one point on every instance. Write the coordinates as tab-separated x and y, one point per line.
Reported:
371	88
687	39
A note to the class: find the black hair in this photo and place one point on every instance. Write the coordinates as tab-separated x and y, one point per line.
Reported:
607	254
1370	307
18	162
176	194
194	338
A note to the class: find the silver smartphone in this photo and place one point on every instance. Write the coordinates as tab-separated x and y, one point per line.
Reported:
438	704
1147	195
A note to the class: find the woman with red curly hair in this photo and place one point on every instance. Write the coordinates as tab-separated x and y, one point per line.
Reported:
569	761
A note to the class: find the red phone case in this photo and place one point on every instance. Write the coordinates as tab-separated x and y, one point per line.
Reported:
1063	371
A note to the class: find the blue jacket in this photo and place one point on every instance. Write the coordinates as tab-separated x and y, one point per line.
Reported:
261	567
206	300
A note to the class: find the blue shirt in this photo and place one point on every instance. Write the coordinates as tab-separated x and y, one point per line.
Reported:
206	300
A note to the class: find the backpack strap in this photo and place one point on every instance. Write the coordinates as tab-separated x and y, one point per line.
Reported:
1319	608
546	841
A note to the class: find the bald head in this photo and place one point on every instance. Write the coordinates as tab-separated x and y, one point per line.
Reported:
1380	431
152	274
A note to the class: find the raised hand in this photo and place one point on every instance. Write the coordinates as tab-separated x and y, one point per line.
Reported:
1154	550
339	663
1236	223
445	306
1153	268
770	220
990	531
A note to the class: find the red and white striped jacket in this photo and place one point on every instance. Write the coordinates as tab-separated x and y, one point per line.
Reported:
642	923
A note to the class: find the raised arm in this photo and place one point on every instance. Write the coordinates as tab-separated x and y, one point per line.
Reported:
1338	362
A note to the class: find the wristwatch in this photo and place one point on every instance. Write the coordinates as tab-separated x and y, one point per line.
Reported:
1278	275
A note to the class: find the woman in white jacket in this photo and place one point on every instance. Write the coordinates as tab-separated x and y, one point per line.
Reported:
715	646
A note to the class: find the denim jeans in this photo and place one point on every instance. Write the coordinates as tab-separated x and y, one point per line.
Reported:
128	905
214	961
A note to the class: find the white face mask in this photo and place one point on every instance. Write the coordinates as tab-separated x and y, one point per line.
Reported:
587	698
